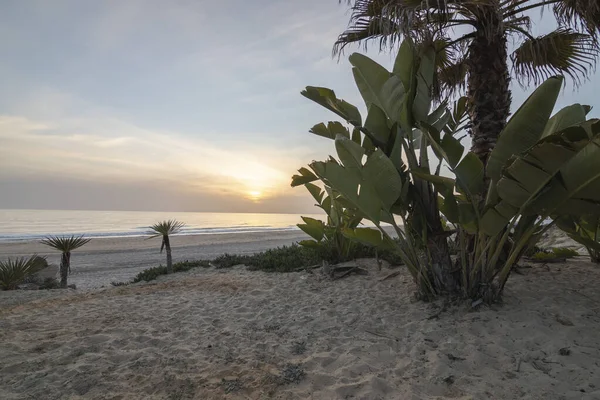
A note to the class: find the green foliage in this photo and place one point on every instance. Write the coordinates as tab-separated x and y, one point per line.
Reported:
14	271
556	253
150	274
50	283
542	167
230	260
187	265
583	229
328	238
283	259
117	284
168	227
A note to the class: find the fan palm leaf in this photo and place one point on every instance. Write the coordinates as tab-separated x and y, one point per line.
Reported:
478	61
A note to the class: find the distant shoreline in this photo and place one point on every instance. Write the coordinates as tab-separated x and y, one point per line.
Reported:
107	260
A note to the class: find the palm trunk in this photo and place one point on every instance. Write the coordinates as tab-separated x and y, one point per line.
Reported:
488	81
169	257
65	266
442	277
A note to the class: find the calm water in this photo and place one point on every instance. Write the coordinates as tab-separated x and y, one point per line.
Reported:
16	225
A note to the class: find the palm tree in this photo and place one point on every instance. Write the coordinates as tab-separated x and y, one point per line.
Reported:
478	59
65	245
164	229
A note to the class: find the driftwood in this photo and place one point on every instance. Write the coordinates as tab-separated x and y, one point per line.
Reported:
393	274
347	271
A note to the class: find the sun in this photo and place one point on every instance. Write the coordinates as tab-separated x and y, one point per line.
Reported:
255	195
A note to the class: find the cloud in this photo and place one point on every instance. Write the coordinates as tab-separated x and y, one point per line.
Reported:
107	150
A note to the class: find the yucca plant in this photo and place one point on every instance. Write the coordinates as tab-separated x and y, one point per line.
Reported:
164	229
476	61
65	244
15	271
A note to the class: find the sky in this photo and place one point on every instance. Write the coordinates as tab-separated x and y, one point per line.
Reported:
181	105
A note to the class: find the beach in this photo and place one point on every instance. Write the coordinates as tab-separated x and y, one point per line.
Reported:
239	334
119	259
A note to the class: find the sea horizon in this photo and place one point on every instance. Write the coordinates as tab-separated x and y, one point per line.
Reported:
18	225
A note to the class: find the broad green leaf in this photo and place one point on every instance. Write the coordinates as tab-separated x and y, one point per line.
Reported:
326	98
441	183
560	174
422	100
469	174
379	171
305	177
313	227
370	78
449	207
568	116
404	63
315	191
377	124
393	98
526	126
330	131
349	152
367	236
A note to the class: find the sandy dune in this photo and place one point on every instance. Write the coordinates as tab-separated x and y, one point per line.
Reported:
236	334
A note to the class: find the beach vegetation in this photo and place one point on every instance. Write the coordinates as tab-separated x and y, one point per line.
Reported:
66	245
584	230
565	252
151	274
15	271
50	283
327	237
164	229
475	60
389	166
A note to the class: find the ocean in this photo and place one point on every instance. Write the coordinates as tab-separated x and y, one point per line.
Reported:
23	225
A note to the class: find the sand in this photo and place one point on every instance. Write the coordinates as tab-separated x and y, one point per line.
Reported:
107	260
238	334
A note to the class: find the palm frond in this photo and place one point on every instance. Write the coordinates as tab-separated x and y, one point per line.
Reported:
366	29
562	52
168	227
450	79
65	244
390	20
579	14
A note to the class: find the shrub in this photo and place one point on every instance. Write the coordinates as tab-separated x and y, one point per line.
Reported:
283	259
14	271
187	265
229	260
564	252
50	283
542	256
150	274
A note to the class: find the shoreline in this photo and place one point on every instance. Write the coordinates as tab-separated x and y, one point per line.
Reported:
107	260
